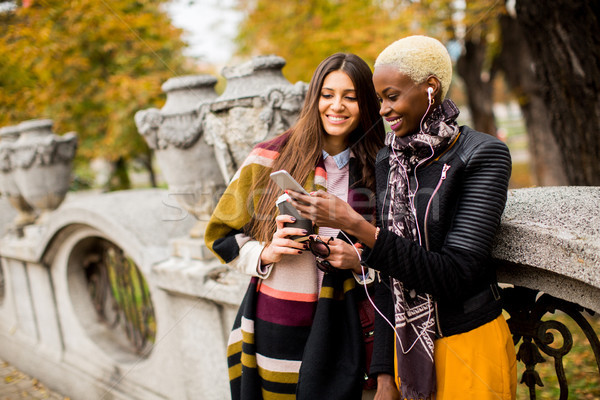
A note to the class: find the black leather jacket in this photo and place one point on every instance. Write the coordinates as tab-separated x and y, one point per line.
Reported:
459	203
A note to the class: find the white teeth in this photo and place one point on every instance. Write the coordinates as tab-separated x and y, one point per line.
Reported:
394	122
337	118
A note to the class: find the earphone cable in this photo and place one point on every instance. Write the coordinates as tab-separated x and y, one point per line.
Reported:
364	278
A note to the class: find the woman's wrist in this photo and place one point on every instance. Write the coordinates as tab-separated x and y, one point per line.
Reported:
265	256
358	248
364	232
385	380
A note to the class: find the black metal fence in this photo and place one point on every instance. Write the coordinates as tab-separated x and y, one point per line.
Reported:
120	295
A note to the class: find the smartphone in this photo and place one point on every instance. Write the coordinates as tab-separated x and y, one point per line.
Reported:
286	182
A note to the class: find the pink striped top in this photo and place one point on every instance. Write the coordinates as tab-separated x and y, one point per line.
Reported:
337	184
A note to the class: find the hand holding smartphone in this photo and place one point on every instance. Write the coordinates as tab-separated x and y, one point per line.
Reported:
286	182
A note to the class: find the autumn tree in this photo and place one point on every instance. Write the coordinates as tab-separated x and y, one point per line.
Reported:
493	47
566	59
306	32
492	44
89	66
516	63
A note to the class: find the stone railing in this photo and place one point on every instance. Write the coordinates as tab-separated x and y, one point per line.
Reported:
550	241
50	329
548	249
115	296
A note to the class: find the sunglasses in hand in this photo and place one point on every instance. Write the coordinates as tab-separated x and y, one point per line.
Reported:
321	251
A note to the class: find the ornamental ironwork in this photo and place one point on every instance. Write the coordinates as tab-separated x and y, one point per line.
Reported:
527	307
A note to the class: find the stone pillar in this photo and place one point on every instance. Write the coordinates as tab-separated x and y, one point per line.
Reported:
8	187
257	104
42	164
175	133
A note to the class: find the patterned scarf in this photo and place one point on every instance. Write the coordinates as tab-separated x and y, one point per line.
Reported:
414	319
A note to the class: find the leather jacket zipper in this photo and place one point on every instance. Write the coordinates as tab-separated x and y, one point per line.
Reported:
445	169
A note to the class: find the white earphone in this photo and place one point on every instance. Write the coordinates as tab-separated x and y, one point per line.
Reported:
429	93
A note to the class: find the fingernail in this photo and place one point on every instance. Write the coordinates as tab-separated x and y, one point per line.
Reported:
293	219
286	192
304	232
299	251
305	246
313	193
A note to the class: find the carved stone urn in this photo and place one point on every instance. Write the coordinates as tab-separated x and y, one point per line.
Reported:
176	134
257	104
42	165
25	213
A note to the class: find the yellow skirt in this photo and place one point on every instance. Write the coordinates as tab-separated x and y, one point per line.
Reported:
480	364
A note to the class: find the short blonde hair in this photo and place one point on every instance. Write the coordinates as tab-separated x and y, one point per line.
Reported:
419	57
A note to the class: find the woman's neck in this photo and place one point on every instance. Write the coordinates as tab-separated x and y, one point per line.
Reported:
333	146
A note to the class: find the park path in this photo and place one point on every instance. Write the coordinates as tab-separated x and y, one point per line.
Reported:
15	385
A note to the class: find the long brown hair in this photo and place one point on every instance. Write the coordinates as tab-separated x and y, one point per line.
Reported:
303	149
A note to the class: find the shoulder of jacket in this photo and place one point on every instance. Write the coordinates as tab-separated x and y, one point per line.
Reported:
383	154
274	144
470	141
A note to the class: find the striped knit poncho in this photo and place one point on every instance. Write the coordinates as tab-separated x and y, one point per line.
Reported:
288	341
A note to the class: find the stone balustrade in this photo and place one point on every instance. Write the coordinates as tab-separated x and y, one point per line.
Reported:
60	322
549	240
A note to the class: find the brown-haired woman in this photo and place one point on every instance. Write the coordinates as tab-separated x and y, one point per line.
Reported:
298	332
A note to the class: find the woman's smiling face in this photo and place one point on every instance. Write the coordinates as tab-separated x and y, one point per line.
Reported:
338	105
403	102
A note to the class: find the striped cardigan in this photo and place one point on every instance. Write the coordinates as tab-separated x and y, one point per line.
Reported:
288	341
224	233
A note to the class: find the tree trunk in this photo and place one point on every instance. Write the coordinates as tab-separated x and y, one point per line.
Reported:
563	40
119	179
514	59
478	85
146	160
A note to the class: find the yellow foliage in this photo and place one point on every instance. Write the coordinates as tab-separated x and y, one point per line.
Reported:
305	32
89	66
